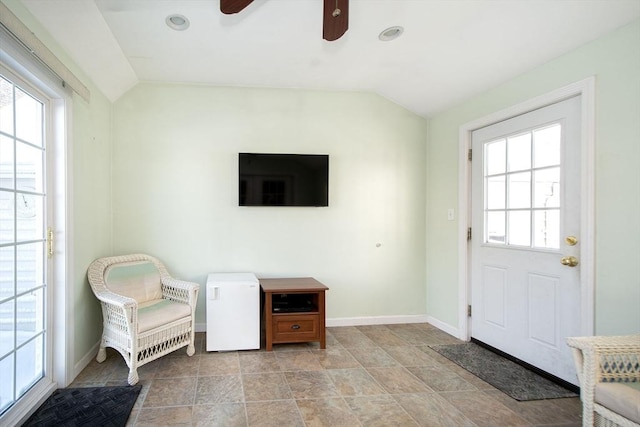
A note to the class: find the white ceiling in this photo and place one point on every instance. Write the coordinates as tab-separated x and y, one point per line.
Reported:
450	49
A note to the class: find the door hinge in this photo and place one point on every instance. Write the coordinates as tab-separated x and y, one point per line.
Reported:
469	233
469	310
49	242
469	154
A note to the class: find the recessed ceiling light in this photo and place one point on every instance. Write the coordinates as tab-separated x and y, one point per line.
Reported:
391	33
177	22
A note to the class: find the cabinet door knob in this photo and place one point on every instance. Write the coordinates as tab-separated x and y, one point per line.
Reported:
295	326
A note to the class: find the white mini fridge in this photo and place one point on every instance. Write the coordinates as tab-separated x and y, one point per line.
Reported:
233	312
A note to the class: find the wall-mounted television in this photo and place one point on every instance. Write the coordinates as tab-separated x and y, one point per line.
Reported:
267	179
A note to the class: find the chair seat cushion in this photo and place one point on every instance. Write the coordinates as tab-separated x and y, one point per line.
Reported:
160	312
621	398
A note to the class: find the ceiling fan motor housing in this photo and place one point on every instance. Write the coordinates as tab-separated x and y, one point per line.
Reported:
335	15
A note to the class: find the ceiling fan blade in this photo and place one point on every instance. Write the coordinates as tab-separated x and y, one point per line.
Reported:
229	7
335	20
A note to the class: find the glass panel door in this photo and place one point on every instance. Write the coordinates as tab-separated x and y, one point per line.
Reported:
23	292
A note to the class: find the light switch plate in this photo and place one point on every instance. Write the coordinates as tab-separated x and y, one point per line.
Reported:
450	214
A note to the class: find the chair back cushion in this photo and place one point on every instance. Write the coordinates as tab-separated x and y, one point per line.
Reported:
139	280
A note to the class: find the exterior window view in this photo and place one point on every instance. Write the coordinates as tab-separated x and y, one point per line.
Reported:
22	239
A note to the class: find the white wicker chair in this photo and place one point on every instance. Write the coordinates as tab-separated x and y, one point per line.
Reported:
146	313
606	366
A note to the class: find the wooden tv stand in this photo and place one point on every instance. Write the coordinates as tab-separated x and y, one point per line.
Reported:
298	322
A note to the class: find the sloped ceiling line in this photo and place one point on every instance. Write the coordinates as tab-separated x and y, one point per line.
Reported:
450	50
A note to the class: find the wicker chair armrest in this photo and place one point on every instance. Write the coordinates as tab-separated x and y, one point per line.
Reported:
606	344
115	299
117	306
606	358
180	290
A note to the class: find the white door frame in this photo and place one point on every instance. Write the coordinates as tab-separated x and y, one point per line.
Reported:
585	88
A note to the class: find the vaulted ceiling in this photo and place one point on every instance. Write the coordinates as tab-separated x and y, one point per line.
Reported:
450	49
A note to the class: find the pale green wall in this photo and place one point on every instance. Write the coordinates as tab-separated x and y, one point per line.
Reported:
89	191
615	61
175	190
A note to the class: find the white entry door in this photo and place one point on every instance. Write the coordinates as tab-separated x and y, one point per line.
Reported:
525	287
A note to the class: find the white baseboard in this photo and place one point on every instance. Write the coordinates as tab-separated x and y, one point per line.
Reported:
86	359
375	320
445	327
358	321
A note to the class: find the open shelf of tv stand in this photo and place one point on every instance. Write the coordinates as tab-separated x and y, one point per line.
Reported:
298	323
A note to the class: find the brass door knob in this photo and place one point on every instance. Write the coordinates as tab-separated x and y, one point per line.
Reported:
570	261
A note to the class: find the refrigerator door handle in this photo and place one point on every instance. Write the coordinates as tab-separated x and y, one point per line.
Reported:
214	292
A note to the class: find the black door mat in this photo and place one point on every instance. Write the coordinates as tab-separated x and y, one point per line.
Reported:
509	377
86	406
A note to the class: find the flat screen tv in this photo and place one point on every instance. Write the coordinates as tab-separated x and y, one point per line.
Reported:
283	179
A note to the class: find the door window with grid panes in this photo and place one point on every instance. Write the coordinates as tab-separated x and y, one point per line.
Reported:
522	189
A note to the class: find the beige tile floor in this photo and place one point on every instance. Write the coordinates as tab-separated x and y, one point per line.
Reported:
383	375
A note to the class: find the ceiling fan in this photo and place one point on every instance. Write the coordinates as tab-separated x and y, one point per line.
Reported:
335	15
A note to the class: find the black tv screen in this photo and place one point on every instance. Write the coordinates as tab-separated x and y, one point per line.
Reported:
283	179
